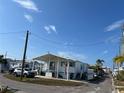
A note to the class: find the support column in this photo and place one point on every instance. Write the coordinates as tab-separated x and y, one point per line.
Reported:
49	66
57	69
40	69
67	70
49	63
32	65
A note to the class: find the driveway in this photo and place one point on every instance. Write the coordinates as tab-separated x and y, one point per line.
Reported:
91	87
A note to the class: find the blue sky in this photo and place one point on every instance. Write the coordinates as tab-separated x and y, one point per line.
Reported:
80	29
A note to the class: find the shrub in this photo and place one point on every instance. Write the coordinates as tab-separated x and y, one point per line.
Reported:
120	76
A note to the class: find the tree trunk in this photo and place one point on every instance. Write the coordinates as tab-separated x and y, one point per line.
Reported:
118	69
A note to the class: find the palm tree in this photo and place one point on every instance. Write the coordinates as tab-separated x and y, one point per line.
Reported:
99	62
118	60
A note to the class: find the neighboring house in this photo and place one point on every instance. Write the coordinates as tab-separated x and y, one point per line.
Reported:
31	64
59	67
14	63
17	64
3	67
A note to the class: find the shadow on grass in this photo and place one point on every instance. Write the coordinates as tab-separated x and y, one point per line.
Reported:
10	90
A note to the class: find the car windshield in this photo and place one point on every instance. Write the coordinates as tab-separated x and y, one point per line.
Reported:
27	69
19	69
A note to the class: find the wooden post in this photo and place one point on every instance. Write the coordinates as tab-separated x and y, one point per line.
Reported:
24	55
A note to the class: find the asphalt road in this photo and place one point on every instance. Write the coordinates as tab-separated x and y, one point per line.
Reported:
100	86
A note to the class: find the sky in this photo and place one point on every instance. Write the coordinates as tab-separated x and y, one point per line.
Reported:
84	30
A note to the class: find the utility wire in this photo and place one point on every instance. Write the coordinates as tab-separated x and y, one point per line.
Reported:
58	42
42	38
68	45
16	32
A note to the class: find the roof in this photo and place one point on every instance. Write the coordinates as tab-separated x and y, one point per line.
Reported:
51	57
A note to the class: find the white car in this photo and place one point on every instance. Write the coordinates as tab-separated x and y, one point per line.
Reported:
121	68
90	74
26	73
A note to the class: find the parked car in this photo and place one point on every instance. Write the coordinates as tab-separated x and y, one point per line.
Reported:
90	74
121	68
27	72
95	75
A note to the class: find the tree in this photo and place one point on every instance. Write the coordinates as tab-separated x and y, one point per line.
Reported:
99	62
2	60
118	60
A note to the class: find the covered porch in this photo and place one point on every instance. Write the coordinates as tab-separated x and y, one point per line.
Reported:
53	65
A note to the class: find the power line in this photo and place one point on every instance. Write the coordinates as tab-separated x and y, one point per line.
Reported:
16	32
58	42
42	38
68	45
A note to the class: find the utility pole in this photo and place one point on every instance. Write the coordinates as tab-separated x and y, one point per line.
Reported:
24	55
5	54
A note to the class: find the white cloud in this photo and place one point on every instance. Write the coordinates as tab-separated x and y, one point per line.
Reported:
28	4
47	29
68	44
28	17
114	25
50	29
105	52
72	55
112	39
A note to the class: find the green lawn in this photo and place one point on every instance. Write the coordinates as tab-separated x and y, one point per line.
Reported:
9	91
118	83
6	91
121	89
50	82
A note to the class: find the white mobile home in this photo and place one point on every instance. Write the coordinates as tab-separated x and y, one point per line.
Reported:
58	67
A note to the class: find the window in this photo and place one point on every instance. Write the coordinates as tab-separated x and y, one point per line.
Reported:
63	64
52	65
19	69
72	64
27	69
81	67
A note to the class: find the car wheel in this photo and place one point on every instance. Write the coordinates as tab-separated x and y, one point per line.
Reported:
15	74
25	75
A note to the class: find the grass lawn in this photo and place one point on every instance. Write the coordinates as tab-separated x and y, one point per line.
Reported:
9	91
44	81
6	91
119	83
121	90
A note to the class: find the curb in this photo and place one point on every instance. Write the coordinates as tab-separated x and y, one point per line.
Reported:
113	86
